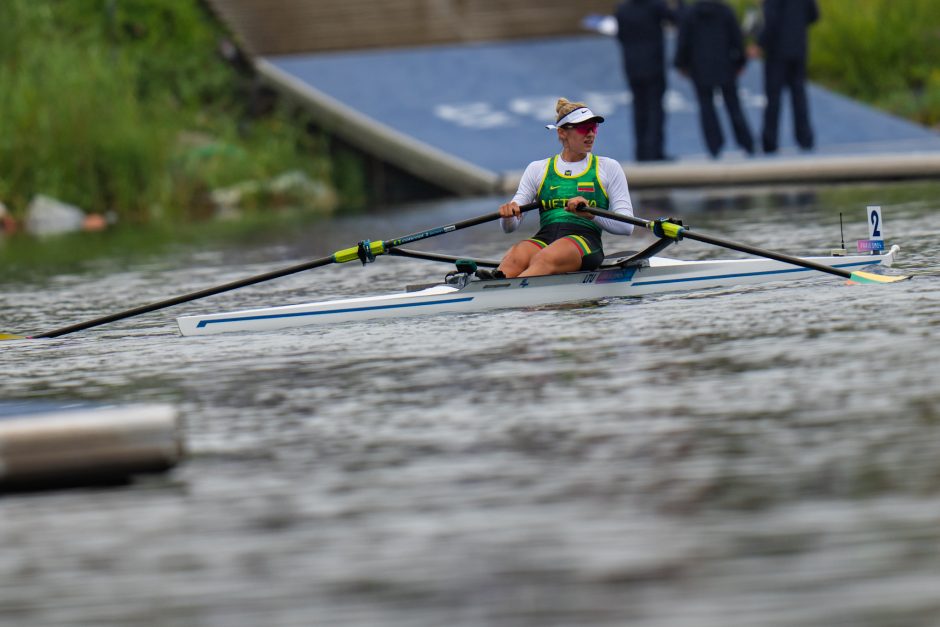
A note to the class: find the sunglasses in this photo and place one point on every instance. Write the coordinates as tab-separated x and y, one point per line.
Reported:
584	127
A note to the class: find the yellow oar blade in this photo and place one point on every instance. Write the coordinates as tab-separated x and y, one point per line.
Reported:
870	277
10	336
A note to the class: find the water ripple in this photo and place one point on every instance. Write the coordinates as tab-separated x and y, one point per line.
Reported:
750	456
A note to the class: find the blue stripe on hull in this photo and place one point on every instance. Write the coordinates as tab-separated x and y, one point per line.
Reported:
203	323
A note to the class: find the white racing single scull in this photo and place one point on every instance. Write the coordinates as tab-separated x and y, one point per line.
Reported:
462	292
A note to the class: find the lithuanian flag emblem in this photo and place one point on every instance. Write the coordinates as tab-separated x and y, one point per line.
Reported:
586	186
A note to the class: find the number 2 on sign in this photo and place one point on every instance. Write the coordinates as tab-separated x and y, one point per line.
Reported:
874	223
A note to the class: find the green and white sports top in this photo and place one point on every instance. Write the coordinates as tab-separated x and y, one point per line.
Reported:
557	188
605	173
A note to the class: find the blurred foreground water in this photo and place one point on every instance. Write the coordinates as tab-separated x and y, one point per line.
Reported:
753	456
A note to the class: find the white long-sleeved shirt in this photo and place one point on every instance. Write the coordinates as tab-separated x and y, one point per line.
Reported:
610	174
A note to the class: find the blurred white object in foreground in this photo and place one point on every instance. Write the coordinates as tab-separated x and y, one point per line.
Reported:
48	447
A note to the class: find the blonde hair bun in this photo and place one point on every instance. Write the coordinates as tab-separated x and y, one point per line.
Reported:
564	106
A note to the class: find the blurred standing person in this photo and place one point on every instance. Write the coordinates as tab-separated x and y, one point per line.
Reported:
640	32
784	43
710	51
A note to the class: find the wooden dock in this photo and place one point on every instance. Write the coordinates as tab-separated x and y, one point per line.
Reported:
277	27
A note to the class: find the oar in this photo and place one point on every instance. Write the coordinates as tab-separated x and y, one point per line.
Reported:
365	251
671	230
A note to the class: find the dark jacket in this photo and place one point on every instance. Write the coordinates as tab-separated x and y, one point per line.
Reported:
710	47
640	31
785	26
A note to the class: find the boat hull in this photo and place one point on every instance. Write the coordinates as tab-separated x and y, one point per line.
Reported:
660	276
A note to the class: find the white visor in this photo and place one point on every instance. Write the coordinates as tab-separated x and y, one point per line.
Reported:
578	115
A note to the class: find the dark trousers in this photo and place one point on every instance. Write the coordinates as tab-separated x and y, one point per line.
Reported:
789	73
711	127
648	117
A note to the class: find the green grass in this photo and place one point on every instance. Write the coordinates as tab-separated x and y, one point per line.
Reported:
126	107
886	52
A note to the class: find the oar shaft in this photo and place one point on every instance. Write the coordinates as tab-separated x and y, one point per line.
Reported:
383	246
490	217
770	254
211	291
725	243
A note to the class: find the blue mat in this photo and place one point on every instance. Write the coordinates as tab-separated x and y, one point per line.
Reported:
487	103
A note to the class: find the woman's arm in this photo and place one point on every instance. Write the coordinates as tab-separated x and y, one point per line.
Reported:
527	192
614	181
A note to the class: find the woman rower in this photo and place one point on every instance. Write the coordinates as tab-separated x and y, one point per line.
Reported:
568	240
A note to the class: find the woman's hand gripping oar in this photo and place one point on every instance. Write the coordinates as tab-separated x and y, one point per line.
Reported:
671	230
365	251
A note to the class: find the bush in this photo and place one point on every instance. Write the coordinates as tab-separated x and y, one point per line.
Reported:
868	48
126	106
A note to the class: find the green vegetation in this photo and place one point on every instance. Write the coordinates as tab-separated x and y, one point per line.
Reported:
127	107
885	52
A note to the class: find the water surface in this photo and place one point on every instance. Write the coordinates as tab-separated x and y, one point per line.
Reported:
767	455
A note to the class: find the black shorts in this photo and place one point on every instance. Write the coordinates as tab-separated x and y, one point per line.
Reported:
585	240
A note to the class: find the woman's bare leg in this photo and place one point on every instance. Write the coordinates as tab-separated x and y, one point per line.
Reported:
560	256
518	258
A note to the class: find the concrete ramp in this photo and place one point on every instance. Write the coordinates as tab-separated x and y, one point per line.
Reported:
470	117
